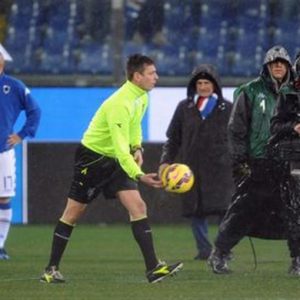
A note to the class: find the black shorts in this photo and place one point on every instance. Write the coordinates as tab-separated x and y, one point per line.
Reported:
95	173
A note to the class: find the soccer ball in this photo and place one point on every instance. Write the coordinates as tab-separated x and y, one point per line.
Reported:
177	178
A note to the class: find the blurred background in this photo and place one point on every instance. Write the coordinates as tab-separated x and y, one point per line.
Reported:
71	53
84	42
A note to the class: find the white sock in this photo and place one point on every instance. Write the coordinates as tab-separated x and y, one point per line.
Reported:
5	220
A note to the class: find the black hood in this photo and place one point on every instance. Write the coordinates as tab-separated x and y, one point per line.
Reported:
296	65
204	71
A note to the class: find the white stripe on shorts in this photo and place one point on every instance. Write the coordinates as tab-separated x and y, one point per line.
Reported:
7	174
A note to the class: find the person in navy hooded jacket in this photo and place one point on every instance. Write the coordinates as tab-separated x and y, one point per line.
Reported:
197	137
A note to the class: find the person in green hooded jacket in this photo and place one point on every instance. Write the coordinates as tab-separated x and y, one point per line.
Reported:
109	160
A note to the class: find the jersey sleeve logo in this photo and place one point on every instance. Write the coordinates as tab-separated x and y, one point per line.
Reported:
6	89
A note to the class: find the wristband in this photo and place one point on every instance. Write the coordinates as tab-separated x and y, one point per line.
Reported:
138	177
134	149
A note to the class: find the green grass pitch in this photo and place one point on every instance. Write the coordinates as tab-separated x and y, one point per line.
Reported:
103	262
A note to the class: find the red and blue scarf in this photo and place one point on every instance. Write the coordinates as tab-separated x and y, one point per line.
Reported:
206	105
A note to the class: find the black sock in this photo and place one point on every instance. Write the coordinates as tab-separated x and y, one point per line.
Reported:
61	236
143	235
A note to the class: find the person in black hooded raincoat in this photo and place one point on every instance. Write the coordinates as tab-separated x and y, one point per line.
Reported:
258	208
197	137
285	148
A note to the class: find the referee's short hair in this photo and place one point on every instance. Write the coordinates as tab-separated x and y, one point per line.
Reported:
137	63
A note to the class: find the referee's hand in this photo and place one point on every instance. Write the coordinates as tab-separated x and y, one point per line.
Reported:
151	179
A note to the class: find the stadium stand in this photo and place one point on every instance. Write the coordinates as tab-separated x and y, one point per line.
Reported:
51	36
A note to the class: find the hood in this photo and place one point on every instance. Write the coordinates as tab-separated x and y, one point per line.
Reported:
276	52
296	66
296	70
210	72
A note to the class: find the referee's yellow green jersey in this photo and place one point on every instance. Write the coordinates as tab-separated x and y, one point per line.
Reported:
116	126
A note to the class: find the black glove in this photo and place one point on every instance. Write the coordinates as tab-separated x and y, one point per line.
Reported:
240	171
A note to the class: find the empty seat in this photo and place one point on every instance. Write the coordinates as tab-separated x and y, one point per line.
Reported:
95	59
172	61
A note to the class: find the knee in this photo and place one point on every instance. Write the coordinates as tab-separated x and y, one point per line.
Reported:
140	207
73	212
138	211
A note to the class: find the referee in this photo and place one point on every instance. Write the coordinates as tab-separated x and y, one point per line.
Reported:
109	160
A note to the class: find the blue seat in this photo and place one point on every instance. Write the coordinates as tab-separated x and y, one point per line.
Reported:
247	63
20	20
22	62
177	16
173	61
286	10
287	35
209	41
16	39
212	11
23	7
130	48
55	64
59	22
55	41
96	59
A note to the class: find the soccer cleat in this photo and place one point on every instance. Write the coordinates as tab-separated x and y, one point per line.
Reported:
52	275
229	256
295	266
3	254
162	270
218	262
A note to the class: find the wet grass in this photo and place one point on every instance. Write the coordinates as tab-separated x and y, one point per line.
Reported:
103	262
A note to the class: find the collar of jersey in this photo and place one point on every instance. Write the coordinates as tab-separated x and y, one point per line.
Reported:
134	89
